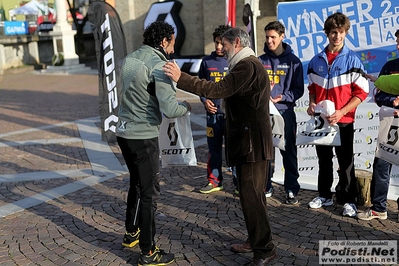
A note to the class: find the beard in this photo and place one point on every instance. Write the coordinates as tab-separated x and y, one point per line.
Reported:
229	55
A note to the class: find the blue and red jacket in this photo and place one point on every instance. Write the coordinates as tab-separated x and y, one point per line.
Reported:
341	81
286	72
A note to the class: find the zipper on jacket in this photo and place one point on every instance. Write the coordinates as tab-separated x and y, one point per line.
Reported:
329	75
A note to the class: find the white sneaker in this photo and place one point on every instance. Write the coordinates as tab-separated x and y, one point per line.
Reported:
349	209
318	202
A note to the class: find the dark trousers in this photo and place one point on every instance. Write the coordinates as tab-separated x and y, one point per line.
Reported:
346	190
142	160
290	158
215	124
380	184
252	179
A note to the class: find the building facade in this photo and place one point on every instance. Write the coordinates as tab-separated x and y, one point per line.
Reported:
199	17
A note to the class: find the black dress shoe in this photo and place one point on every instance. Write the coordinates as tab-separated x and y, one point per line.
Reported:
262	262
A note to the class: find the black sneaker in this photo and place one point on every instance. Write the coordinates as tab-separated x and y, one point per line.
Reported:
130	240
269	193
291	198
156	257
210	188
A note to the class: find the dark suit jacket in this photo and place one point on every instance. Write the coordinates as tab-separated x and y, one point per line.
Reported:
246	90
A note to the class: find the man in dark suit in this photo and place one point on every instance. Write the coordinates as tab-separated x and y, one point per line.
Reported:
249	147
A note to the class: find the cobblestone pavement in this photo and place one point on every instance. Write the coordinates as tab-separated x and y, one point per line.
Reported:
62	200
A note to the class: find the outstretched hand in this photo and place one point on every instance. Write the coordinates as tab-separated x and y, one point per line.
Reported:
172	70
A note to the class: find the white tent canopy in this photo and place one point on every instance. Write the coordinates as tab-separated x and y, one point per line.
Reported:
34	7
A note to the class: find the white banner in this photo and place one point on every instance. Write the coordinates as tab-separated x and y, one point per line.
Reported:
372	37
387	141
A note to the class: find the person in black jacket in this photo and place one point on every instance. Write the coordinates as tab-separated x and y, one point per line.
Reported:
382	169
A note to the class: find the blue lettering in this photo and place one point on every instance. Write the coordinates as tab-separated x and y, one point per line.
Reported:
366	26
385	22
315	18
390	36
363	9
302	44
334	9
291	26
354	40
319	40
348	10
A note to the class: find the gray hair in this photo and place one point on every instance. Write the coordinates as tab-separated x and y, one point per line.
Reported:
234	33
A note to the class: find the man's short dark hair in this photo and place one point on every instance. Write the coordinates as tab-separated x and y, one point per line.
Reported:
397	33
219	31
277	26
156	32
337	21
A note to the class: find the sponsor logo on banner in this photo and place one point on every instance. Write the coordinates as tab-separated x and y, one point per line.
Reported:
309	158
395	175
110	49
371	115
305	168
305	146
375	128
370	140
169	12
301	105
110	76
